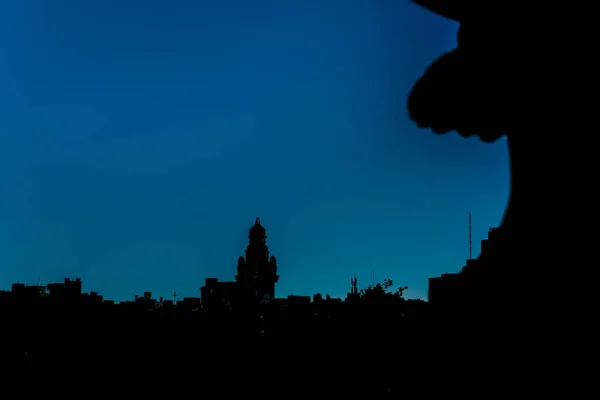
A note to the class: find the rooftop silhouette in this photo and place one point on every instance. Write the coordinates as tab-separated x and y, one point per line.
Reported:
374	342
240	311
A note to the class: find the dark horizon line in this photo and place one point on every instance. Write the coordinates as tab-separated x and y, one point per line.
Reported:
173	295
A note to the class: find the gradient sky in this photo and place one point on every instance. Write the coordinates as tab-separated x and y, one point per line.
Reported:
139	140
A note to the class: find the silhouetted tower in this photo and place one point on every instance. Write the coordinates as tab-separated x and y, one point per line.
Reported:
354	285
257	273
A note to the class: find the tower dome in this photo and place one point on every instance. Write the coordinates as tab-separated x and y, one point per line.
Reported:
257	273
257	232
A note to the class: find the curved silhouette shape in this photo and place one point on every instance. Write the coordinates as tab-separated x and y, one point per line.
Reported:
515	76
526	74
475	89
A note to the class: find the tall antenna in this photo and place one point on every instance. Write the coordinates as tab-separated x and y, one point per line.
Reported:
174	296
470	242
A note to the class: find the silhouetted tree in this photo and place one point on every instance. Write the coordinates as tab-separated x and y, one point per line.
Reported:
381	292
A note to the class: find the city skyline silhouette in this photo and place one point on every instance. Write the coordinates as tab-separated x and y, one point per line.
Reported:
395	159
58	324
44	288
135	163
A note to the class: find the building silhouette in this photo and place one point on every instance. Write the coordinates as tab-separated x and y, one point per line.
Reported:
480	282
255	280
257	273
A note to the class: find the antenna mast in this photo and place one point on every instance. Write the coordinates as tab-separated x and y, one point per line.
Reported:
470	242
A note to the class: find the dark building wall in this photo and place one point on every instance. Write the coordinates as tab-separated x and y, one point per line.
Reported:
218	294
69	291
481	282
444	289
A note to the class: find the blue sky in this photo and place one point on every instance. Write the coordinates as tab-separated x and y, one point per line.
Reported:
139	139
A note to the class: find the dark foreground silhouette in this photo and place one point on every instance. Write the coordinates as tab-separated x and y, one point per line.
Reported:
237	338
519	71
504	79
523	70
475	90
